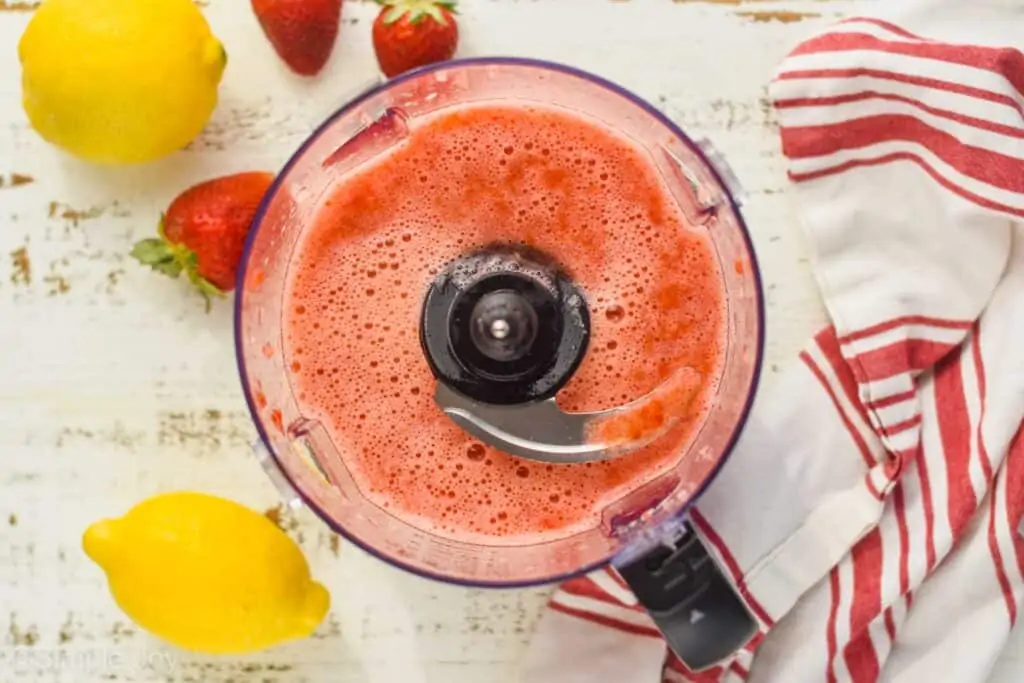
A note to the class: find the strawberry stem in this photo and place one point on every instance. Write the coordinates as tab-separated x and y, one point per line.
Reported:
172	259
206	288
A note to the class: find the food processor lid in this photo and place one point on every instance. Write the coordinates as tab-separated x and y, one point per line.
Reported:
503	329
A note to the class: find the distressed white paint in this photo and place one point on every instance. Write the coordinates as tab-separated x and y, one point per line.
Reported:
121	387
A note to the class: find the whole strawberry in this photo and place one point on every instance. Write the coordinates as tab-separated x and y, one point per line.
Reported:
203	232
412	33
303	32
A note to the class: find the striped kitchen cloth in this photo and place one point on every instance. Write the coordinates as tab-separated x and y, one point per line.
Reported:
870	515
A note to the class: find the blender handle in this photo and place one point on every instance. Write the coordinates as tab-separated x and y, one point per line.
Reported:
266	460
690	600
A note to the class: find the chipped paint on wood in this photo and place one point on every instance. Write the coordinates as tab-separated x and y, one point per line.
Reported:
21	267
67	630
115	435
204	431
784	16
274	515
15	180
56	285
121	631
18	5
19	635
76	216
781	16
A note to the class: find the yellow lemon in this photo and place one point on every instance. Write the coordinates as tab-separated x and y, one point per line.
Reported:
207	574
119	81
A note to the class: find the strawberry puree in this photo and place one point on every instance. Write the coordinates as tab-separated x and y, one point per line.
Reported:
464	178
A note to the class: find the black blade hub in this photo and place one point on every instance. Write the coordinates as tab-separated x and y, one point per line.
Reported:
504	325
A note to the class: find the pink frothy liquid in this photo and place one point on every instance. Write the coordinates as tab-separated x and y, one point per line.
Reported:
466	177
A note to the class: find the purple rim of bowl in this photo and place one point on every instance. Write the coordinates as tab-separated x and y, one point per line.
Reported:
492	61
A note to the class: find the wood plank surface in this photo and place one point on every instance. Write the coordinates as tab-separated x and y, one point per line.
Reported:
116	385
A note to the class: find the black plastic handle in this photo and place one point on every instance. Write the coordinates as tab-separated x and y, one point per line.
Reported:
691	601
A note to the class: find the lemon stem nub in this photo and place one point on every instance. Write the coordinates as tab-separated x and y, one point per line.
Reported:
99	541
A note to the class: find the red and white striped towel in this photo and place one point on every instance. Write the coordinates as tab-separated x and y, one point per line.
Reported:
870	516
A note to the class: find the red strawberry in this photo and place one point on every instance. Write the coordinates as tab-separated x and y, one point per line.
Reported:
203	232
303	32
412	33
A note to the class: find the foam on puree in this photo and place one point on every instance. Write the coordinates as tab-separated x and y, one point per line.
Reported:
463	178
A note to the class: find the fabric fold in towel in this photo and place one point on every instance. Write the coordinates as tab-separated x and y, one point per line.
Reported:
869	515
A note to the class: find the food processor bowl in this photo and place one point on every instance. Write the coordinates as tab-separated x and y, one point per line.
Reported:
298	451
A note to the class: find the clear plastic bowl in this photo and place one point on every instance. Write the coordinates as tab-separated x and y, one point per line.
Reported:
299	453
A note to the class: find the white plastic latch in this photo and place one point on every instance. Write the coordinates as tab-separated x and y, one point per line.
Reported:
288	494
729	177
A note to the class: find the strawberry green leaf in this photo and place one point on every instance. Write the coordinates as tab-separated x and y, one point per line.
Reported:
206	288
158	255
436	14
169	268
160	227
150	250
416	10
173	259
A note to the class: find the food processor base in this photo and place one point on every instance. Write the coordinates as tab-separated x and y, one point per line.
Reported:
691	601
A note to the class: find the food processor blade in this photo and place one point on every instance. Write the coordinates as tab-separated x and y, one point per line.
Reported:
543	431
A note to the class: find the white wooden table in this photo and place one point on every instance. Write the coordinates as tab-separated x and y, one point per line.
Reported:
116	386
